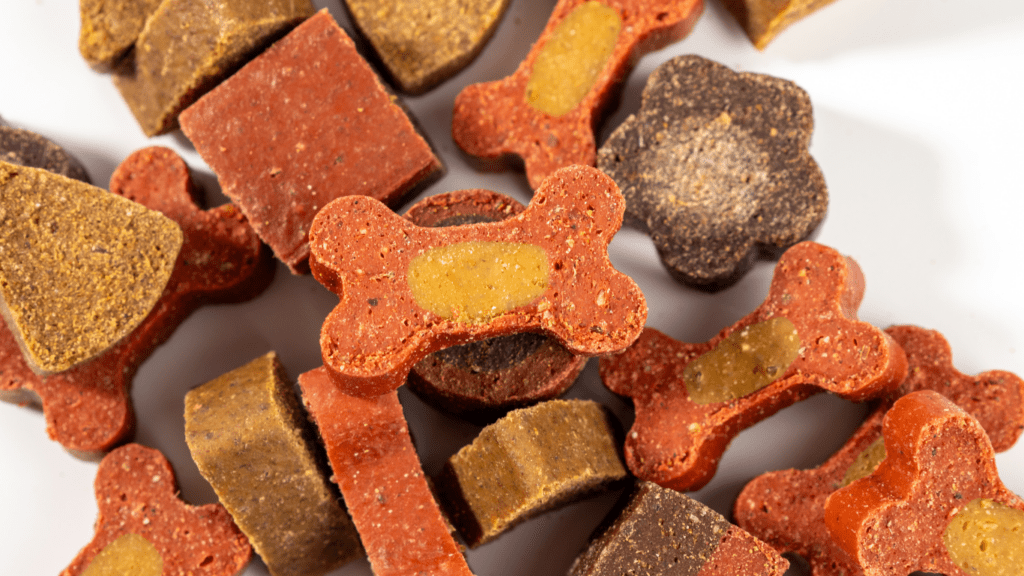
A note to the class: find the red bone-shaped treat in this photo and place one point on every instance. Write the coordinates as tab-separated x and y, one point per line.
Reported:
553	254
87	408
677	442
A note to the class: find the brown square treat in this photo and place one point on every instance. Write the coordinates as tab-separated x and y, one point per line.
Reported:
764	19
304	123
110	28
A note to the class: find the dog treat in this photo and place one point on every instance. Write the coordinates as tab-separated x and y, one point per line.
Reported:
110	28
546	112
787	508
87	408
692	399
715	167
144	529
187	47
764	19
531	461
80	268
407	291
935	503
424	42
30	149
379	473
251	440
328	128
664	532
482	380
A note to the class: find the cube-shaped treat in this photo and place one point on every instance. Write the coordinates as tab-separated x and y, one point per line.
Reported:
304	123
110	28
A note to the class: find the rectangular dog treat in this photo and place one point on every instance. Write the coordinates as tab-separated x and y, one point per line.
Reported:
110	28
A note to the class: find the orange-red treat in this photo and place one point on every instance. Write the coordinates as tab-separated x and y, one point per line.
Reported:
786	508
305	122
379	473
144	529
692	399
547	111
407	291
87	408
935	503
481	380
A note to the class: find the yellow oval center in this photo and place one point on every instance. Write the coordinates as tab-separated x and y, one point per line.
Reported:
476	281
129	554
986	538
866	462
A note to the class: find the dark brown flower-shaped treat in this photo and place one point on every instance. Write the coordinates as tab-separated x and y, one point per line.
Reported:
715	168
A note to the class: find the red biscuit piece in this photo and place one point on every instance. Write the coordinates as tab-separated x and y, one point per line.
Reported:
303	123
677	440
496	118
914	511
407	291
786	508
381	481
140	512
87	408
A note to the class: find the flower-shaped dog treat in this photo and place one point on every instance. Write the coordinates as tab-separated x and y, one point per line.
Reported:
407	291
715	167
546	112
692	399
786	508
144	529
935	503
221	260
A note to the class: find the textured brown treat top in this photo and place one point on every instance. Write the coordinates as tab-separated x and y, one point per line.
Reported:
677	439
407	291
109	29
80	268
328	128
939	463
137	497
764	19
715	167
30	149
786	508
87	408
496	118
424	42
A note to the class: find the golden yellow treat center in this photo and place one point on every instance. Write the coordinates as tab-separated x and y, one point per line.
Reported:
866	462
986	538
129	554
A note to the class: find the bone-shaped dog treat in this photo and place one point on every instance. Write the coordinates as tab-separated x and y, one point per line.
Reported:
935	503
692	399
87	408
407	291
786	508
144	529
547	111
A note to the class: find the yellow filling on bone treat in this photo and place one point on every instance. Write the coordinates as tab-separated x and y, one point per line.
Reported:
476	281
573	57
866	461
986	538
129	554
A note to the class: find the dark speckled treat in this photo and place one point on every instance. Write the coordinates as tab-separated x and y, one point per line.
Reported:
27	148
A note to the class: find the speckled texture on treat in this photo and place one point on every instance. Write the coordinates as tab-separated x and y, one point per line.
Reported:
661	532
379	473
80	268
109	29
715	167
677	442
137	494
169	68
379	330
27	148
494	118
251	439
327	129
87	408
763	20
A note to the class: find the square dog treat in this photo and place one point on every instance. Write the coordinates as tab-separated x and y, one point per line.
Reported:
30	149
304	123
763	20
109	29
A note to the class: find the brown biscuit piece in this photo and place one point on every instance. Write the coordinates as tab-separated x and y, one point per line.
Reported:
547	111
328	128
664	532
482	380
692	399
764	19
407	291
27	148
144	529
935	503
87	408
786	508
109	29
715	167
251	439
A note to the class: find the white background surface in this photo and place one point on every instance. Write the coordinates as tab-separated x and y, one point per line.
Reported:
918	126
